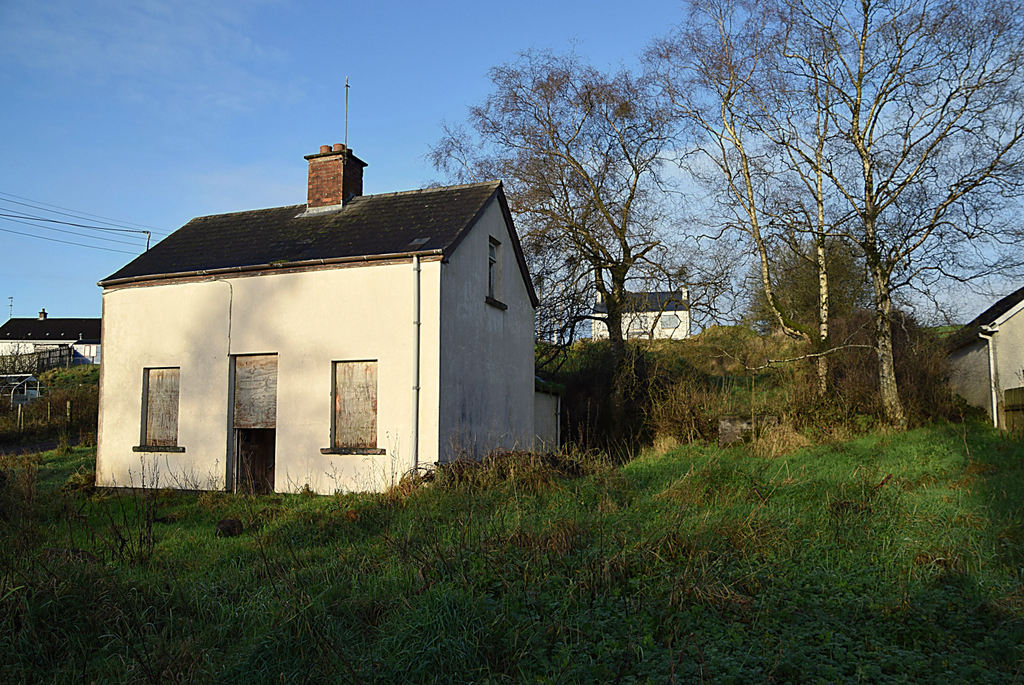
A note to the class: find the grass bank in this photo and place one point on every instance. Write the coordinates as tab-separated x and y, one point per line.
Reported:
888	557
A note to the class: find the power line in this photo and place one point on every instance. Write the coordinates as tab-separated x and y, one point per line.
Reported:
64	230
68	223
74	213
66	242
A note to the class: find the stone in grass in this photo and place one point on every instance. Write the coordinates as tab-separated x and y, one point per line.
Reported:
229	528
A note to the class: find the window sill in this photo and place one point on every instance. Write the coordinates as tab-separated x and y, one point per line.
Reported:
352	450
157	448
495	303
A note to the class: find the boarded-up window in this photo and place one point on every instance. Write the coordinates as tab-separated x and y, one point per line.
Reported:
160	404
255	391
355	404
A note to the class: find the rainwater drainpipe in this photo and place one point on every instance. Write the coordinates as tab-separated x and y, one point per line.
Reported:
986	334
416	362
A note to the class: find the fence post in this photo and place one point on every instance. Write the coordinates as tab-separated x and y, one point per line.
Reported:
21	420
49	406
68	413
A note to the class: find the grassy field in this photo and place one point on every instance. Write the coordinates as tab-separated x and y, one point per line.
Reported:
892	557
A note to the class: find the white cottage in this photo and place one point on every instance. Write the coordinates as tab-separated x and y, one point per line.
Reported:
650	315
987	358
334	345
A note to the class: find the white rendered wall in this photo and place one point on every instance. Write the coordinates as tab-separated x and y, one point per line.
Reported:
649	323
1010	352
487	370
308	320
969	375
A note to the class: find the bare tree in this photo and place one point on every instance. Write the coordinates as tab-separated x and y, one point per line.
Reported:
580	153
719	72
908	115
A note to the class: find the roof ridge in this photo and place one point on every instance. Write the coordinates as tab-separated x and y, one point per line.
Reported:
435	189
459	186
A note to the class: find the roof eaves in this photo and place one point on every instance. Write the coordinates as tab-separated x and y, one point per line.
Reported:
109	282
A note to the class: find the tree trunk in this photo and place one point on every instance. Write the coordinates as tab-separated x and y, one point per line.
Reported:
620	371
821	363
887	387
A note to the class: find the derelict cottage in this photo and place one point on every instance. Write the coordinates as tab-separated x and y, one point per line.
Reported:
335	345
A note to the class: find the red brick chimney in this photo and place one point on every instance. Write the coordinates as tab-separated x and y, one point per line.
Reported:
335	176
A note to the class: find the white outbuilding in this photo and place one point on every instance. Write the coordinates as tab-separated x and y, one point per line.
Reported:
649	315
334	345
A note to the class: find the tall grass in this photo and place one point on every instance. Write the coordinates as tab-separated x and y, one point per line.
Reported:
886	557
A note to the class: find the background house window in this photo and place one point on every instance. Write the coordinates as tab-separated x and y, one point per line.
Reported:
670	321
160	407
355	405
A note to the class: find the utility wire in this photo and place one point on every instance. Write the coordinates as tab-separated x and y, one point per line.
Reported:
75	214
66	242
64	230
68	223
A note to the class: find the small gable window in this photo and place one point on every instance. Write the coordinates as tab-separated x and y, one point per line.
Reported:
492	268
494	274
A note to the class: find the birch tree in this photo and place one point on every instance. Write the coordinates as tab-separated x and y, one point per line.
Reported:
906	115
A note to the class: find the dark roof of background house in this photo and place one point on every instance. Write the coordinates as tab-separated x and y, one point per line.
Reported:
433	220
51	330
653	301
969	333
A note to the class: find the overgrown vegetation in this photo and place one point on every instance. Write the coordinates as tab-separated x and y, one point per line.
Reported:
886	557
46	418
681	388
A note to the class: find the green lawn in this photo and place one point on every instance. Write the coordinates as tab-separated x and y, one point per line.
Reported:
890	557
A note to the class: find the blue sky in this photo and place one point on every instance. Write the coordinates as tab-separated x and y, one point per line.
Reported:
149	113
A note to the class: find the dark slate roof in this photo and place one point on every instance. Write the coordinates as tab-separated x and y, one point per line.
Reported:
429	221
51	330
651	301
969	333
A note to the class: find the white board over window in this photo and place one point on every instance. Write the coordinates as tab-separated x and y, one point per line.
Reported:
256	391
355	404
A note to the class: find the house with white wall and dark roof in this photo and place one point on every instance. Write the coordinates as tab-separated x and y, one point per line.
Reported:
987	361
651	315
334	345
76	339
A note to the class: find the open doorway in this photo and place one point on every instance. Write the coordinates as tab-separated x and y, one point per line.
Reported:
254	420
255	450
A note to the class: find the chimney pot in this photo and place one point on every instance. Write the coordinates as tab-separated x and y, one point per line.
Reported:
335	176
42	314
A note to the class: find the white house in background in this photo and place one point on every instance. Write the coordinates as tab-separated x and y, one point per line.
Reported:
652	315
336	344
76	341
987	356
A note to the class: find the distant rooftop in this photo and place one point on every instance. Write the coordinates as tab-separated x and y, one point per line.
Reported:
51	330
651	301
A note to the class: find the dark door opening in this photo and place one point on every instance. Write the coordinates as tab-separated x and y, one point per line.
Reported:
254	418
255	450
